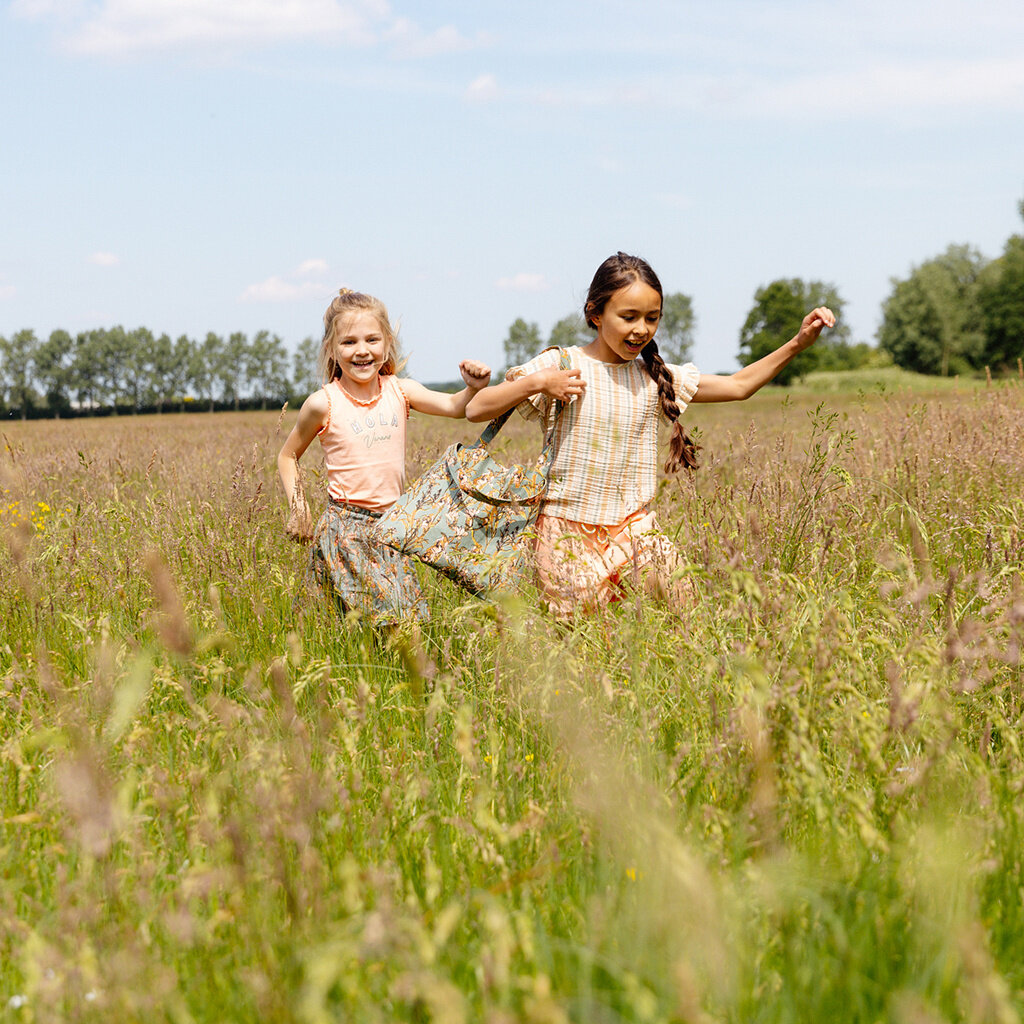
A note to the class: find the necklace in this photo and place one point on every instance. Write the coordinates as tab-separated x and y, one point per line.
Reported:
361	401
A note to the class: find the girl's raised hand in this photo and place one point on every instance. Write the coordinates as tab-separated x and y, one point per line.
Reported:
813	324
477	375
563	385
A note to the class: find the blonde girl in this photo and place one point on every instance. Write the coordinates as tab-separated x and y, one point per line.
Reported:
360	416
596	529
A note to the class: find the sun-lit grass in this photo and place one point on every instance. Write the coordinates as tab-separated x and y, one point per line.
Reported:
885	380
800	801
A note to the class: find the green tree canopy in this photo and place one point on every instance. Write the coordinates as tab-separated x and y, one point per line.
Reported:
54	370
1001	300
522	343
932	321
570	330
775	318
270	368
675	332
234	368
305	375
17	354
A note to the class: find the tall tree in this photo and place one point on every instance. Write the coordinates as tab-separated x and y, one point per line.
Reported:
233	368
202	367
54	370
306	374
932	321
778	310
85	369
113	359
137	365
160	370
179	379
17	354
675	332
270	361
570	330
522	343
1001	299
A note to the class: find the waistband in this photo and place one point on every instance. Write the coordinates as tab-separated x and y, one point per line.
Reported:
347	506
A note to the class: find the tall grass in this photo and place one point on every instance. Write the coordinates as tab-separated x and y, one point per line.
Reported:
799	801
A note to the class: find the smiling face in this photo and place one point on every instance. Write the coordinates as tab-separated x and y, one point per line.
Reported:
360	350
627	322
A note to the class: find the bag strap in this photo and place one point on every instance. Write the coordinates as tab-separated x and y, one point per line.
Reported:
491	430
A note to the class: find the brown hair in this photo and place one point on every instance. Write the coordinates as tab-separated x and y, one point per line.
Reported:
620	271
342	307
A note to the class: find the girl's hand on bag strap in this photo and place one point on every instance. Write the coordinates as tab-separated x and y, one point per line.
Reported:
563	385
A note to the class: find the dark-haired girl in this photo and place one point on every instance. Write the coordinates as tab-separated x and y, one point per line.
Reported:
596	529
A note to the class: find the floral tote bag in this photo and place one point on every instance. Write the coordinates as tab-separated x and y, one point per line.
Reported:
468	515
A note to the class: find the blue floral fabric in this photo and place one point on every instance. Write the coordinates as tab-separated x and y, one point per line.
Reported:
365	575
470	517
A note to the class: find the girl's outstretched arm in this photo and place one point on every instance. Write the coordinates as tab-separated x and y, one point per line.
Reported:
743	383
438	403
562	385
312	417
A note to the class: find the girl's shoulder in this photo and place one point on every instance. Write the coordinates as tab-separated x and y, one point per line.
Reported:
318	401
316	410
404	388
544	360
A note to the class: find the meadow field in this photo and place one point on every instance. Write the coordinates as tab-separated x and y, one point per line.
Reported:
800	801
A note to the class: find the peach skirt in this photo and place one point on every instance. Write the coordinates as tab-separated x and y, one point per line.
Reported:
582	566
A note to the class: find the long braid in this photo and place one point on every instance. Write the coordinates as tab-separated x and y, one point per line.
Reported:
682	448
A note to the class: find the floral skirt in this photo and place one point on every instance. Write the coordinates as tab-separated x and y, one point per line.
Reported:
582	566
365	575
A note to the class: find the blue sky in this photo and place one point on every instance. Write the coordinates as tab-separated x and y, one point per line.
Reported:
196	165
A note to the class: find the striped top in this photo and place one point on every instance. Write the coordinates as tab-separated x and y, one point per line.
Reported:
605	460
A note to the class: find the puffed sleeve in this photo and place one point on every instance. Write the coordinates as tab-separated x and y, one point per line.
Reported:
536	405
686	379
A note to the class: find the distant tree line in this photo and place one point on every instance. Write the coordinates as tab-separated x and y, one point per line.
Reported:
955	313
114	370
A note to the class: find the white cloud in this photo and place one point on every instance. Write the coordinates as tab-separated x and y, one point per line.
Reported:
7	291
104	259
46	8
305	282
123	27
859	86
128	26
483	89
409	40
877	88
313	266
523	282
277	289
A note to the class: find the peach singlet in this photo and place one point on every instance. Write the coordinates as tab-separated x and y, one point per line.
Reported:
364	445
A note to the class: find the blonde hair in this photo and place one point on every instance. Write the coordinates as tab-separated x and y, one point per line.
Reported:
342	307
